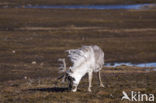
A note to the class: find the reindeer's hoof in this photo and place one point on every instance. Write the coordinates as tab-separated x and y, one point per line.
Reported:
101	85
89	90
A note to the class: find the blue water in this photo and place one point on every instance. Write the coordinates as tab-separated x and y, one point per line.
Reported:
102	7
150	69
152	64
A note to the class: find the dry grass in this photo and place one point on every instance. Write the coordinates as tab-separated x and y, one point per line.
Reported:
48	91
44	35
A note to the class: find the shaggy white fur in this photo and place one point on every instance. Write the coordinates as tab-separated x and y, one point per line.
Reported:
87	59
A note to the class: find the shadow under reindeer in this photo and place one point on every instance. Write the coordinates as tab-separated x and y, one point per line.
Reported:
53	89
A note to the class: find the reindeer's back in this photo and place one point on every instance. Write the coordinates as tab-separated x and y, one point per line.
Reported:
99	58
91	57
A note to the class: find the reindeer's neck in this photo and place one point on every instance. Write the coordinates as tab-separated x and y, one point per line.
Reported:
79	72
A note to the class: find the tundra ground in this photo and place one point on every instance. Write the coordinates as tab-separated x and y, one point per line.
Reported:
31	41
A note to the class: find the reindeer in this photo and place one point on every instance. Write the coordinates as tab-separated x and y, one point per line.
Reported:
87	59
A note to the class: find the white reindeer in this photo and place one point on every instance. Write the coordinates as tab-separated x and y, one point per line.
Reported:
87	59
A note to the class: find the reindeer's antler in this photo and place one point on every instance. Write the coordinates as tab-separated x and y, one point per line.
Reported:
62	77
62	67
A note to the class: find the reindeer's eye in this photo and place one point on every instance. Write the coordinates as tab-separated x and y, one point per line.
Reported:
73	79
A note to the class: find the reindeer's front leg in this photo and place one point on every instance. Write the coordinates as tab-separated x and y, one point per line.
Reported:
99	75
90	76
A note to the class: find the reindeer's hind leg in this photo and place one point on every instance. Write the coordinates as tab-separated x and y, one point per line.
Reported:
99	76
90	74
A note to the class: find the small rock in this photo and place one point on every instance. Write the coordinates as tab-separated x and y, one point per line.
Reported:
111	95
25	77
41	64
33	62
13	51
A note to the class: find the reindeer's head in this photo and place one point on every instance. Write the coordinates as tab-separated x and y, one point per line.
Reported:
67	75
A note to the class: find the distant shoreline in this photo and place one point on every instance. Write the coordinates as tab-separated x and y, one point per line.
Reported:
71	2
